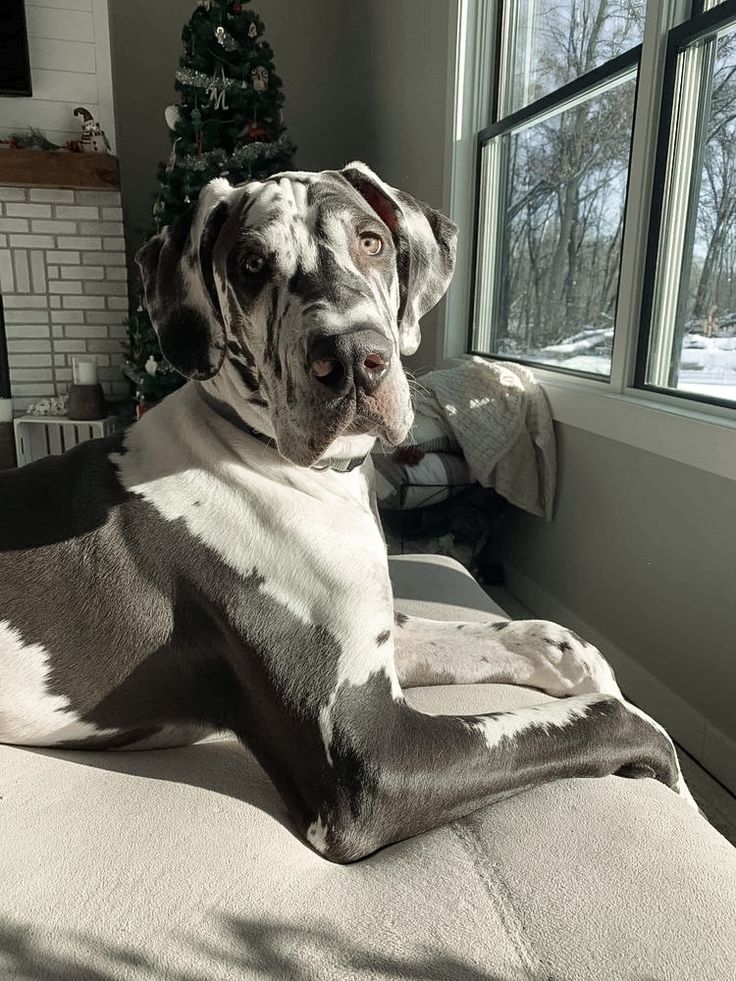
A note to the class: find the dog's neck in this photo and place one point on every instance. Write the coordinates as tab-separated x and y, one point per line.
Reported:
344	454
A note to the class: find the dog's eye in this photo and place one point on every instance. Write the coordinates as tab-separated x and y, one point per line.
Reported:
370	244
254	264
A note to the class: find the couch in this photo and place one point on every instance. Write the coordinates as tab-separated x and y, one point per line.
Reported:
181	865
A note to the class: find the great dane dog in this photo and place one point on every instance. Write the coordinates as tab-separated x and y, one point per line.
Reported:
220	566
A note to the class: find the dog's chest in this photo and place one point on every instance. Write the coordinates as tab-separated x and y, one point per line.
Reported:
314	551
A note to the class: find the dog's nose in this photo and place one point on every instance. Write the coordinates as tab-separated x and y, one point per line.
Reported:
361	357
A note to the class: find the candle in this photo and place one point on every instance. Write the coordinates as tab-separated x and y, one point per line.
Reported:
84	372
6	410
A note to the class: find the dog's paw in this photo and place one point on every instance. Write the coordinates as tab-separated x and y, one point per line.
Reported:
561	662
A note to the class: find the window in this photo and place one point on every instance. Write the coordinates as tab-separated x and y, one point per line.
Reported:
555	171
688	331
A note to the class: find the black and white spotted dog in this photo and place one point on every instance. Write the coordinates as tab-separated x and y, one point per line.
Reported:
219	565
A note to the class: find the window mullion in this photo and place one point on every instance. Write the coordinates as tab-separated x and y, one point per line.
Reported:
677	212
489	272
474	66
662	15
704	72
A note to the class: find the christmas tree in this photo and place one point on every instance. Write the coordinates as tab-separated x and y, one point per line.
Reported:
229	123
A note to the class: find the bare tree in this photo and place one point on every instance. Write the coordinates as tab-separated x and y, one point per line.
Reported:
566	177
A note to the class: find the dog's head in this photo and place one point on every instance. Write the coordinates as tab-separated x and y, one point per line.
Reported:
297	295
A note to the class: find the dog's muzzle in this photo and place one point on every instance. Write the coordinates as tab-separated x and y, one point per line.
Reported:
357	360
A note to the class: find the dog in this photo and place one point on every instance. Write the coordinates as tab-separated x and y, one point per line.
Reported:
219	566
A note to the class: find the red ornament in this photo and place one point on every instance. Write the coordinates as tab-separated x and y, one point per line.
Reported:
235	8
255	132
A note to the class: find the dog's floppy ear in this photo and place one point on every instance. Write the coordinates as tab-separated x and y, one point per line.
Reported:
425	243
179	284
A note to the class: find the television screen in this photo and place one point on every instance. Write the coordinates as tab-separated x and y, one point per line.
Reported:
15	69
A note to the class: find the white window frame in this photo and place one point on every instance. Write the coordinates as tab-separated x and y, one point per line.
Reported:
696	434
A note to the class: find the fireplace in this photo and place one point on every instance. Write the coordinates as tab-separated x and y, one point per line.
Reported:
63	273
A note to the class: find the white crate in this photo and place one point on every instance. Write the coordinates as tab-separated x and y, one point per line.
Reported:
39	436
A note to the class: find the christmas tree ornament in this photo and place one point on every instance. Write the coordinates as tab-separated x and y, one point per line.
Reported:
151	365
171	162
259	78
172	115
205	4
225	40
158	209
254	131
188	76
235	8
217	90
253	30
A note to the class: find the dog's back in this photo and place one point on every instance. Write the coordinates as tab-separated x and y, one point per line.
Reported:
85	580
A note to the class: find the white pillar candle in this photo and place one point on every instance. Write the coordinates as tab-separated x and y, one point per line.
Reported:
6	410
84	372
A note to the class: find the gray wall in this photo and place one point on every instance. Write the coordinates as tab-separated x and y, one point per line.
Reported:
643	549
404	46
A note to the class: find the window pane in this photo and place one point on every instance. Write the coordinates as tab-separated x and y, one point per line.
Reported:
549	252
552	42
693	341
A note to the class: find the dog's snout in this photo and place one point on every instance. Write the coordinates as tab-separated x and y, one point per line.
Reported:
361	358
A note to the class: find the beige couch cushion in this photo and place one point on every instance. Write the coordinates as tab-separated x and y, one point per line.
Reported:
180	864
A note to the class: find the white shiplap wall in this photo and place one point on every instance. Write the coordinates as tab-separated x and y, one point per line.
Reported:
69	42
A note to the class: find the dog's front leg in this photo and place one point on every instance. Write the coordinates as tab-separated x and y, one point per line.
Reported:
395	772
536	653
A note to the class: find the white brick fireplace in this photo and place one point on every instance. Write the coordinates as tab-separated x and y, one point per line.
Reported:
63	281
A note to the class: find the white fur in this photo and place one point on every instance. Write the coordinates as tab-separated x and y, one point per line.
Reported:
29	714
509	725
291	238
336	232
333	572
524	652
317	835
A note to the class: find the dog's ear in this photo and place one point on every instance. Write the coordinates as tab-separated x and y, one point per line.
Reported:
425	243
179	285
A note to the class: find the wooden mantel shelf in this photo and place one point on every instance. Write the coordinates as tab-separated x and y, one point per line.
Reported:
50	168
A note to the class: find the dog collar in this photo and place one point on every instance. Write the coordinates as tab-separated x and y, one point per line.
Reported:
340	464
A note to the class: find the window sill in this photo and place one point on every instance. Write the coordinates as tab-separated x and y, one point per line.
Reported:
703	438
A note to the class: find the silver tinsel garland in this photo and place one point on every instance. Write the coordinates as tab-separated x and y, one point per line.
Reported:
247	154
188	76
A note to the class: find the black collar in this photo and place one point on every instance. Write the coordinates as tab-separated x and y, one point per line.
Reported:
339	464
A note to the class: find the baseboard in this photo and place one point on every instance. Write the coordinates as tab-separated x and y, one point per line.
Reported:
712	748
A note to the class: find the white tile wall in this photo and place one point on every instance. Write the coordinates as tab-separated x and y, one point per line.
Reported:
69	47
64	287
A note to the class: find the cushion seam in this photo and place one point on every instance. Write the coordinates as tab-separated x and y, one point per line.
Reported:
500	895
